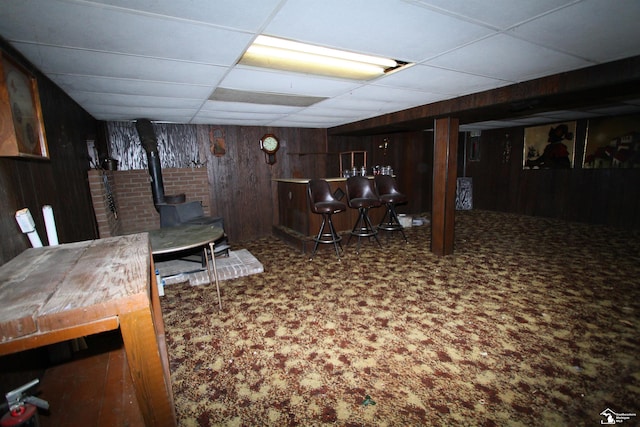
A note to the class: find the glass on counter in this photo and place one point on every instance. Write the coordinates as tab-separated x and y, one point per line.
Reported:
348	173
382	170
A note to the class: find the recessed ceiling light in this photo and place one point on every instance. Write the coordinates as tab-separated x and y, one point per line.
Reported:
287	55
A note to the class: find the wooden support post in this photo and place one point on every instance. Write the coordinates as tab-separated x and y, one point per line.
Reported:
445	151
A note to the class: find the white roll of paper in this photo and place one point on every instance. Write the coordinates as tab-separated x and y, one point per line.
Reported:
28	227
50	224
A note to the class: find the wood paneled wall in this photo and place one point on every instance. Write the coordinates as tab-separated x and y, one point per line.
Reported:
240	182
60	182
597	196
242	188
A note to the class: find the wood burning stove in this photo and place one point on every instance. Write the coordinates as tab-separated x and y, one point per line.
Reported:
173	210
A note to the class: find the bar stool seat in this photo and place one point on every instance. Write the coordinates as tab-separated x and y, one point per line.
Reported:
321	201
390	196
362	195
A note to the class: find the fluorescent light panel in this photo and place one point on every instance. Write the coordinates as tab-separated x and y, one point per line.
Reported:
232	95
287	55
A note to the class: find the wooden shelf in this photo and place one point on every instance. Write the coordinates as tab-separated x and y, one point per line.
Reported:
351	155
94	388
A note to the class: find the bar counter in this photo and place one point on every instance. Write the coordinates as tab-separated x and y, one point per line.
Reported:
294	212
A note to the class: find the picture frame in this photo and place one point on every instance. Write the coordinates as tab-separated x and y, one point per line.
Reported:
613	142
473	147
22	134
550	146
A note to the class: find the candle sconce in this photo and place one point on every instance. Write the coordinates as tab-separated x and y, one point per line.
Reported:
384	146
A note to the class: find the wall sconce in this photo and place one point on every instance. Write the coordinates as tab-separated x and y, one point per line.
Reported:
384	146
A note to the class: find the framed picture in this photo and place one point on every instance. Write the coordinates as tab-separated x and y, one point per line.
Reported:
473	147
23	134
549	146
613	142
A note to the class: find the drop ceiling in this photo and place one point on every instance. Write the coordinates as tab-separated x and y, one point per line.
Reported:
169	60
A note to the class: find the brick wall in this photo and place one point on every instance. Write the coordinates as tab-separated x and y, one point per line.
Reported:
134	200
106	218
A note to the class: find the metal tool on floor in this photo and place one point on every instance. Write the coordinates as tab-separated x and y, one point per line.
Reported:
23	409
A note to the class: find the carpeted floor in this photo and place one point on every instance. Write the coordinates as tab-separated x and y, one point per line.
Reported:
532	322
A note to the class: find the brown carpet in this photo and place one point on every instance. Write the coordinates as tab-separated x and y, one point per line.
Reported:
532	322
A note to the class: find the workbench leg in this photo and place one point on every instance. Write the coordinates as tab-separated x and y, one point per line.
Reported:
215	271
144	357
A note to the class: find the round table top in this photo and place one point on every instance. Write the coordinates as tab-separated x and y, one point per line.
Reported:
182	237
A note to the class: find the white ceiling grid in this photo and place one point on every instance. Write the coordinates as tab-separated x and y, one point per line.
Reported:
163	59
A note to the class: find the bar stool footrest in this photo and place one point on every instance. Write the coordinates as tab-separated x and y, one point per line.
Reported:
327	238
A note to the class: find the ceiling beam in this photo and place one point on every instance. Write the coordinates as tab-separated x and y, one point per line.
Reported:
599	85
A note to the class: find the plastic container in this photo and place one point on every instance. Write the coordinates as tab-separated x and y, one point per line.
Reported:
405	221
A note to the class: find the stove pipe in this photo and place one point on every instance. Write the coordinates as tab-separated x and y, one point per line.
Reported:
150	145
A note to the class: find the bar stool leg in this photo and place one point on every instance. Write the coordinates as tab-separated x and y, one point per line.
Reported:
371	227
393	223
331	237
363	228
336	238
397	221
317	239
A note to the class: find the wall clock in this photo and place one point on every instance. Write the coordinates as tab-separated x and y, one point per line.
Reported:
269	144
23	131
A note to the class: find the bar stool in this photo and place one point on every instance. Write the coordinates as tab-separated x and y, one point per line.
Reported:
321	201
362	195
390	196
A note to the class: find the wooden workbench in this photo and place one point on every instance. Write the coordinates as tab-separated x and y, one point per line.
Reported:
58	293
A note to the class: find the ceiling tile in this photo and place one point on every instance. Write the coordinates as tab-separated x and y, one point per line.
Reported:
440	81
93	98
118	112
507	58
596	30
88	63
239	115
131	87
402	97
259	80
346	102
499	14
214	106
314	124
247	15
65	24
334	111
392	28
245	120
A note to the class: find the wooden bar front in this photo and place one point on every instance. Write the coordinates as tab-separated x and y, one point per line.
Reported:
57	293
295	214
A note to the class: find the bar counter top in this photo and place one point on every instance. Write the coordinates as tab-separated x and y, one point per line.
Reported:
306	180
